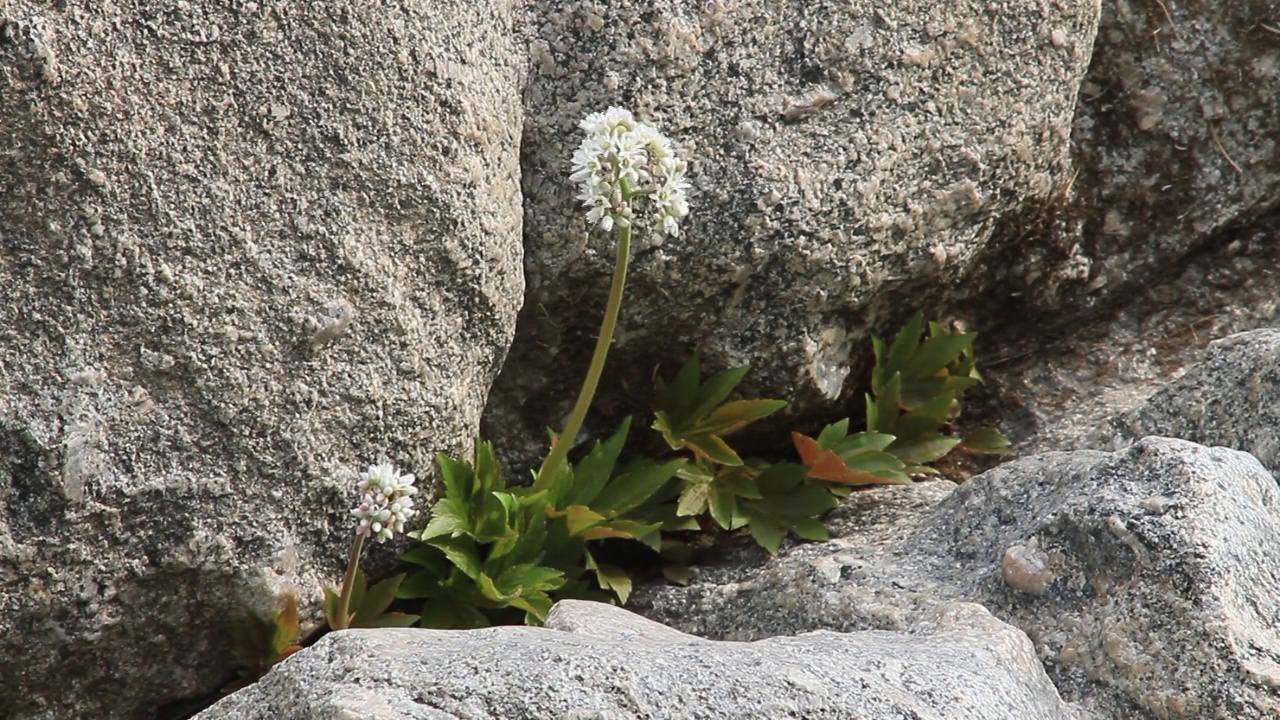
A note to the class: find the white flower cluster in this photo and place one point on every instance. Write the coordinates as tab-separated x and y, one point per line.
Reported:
628	175
386	502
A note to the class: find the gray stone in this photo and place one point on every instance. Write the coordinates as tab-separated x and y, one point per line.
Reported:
844	155
245	249
1144	578
602	663
1231	398
1178	138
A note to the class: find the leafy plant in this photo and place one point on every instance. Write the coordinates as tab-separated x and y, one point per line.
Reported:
490	549
916	387
259	643
368	605
768	500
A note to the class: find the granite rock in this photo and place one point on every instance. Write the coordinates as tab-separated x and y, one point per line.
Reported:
846	158
246	248
599	662
1145	578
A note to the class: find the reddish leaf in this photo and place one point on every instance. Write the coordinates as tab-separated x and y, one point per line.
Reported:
826	465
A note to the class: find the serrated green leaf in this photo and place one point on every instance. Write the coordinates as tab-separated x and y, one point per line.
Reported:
457	477
887	406
712	448
905	344
724	509
528	579
733	416
376	600
987	440
461	553
834	433
936	353
781	478
593	473
810	529
767	534
638	483
448	517
614	579
923	450
693	499
715	390
392	620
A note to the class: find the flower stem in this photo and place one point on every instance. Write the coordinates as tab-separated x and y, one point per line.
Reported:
348	583
560	449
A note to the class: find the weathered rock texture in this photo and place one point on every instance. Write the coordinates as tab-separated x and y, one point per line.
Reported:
1231	398
597	661
245	248
1145	578
1177	135
845	157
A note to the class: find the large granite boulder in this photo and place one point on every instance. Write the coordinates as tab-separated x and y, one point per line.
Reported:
850	161
1144	577
245	249
598	662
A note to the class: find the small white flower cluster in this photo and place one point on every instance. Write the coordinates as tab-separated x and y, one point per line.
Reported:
628	175
386	502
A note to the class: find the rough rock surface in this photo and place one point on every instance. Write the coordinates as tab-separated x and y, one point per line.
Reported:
245	248
1146	578
1177	135
845	156
599	662
1231	398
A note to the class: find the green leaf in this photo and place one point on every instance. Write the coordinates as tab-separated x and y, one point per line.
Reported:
331	600
457	477
448	517
693	499
684	392
376	600
834	433
638	483
811	529
806	501
614	579
861	441
715	390
740	481
462	554
733	416
936	353
421	584
392	620
713	448
580	518
987	440
592	474
527	579
904	345
767	534
781	478
626	529
887	406
724	509
924	450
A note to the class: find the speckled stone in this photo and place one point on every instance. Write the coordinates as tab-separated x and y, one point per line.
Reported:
844	156
1159	595
598	662
246	248
1230	398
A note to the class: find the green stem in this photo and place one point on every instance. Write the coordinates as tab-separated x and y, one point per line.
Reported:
348	582
560	449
